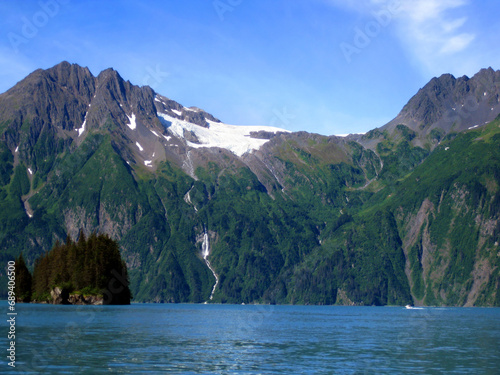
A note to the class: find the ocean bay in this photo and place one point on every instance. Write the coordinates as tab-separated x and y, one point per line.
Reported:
255	339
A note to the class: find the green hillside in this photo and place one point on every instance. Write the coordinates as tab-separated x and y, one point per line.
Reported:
307	219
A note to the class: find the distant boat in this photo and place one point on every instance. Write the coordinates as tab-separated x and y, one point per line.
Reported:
410	307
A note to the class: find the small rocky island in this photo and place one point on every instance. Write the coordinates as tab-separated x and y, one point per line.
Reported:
87	272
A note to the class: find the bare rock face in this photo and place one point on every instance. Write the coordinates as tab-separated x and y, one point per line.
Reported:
444	105
462	96
59	296
194	118
118	100
54	98
263	134
79	299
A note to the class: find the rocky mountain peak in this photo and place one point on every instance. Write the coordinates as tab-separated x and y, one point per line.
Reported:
436	98
51	101
487	73
67	74
445	105
120	99
288	218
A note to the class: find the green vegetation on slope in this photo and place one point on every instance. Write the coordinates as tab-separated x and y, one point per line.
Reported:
90	266
423	228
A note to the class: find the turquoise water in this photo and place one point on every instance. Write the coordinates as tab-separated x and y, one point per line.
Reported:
231	339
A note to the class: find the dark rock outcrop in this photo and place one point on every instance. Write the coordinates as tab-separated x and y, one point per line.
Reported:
80	299
444	105
61	296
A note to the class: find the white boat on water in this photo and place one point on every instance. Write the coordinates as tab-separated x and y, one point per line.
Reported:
410	307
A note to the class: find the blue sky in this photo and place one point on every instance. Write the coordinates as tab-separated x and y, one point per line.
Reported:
323	66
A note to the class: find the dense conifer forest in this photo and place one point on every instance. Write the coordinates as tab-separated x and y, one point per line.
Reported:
89	267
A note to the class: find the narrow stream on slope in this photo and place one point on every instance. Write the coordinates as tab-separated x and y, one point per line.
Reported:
206	253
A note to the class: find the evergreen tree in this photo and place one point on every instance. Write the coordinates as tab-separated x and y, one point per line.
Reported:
23	281
92	265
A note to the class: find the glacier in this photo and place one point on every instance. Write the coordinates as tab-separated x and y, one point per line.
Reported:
234	138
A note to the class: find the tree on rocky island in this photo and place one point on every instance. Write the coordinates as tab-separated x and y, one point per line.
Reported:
23	281
89	271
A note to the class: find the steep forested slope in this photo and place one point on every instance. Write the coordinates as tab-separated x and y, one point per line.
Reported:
401	215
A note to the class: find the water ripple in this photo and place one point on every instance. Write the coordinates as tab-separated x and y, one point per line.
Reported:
229	339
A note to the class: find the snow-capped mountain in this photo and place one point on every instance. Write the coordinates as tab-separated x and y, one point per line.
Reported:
202	209
235	138
68	102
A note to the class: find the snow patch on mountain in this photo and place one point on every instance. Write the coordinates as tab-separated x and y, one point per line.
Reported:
132	125
234	138
178	113
82	129
139	146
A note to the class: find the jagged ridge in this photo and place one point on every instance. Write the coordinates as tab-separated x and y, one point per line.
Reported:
292	218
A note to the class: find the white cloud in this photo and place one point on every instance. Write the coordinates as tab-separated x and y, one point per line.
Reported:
457	44
431	31
427	23
453	25
428	10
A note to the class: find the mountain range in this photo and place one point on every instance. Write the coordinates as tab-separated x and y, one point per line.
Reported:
407	213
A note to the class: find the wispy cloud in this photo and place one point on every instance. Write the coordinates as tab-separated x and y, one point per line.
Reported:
421	11
454	25
456	44
431	31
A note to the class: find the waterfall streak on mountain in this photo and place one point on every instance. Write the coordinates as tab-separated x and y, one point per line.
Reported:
206	252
